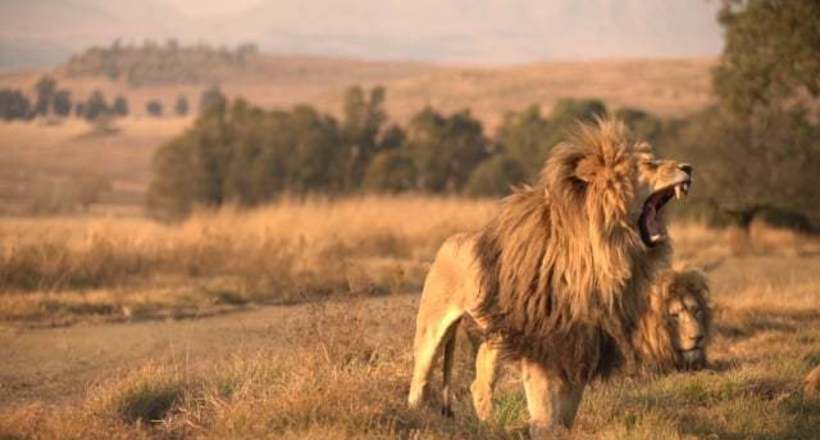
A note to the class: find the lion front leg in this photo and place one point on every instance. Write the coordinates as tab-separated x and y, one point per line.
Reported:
552	401
486	375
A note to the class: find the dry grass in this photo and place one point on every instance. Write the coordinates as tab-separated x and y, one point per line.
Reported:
59	269
341	370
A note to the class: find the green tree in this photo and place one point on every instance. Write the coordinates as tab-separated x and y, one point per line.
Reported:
181	106
120	106
212	99
362	121
95	106
495	176
760	147
445	149
771	57
62	103
172	193
154	108
643	125
527	138
45	88
390	171
14	105
570	110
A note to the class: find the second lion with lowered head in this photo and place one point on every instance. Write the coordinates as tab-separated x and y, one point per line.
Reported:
557	280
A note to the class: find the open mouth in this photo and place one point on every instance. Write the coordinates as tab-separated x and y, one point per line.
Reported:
650	223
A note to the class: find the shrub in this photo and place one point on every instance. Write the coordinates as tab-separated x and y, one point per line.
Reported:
495	176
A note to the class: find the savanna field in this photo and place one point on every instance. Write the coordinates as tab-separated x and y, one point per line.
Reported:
295	320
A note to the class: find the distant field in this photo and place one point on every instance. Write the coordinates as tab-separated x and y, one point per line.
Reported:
295	321
37	151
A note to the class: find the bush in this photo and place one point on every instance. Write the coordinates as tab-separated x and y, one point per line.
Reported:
95	106
154	108
120	106
495	177
181	106
390	171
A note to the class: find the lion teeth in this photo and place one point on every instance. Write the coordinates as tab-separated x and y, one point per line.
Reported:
656	237
678	191
686	187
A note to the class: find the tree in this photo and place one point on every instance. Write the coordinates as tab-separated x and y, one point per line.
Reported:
742	168
361	122
212	99
445	149
45	89
643	125
62	103
390	171
95	106
527	138
154	108
771	57
569	110
181	105
760	146
495	176
14	105
120	106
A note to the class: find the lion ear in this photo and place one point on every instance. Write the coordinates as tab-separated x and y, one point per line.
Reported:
586	169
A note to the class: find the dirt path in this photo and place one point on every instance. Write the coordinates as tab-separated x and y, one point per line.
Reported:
57	364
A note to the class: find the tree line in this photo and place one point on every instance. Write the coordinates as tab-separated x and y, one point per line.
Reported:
50	100
240	153
154	63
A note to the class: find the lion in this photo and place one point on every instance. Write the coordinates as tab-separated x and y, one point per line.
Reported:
674	330
555	280
671	335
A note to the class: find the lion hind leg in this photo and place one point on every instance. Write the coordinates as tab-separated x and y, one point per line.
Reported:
429	338
447	370
486	376
551	401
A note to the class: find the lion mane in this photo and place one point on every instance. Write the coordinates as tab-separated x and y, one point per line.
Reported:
562	273
654	337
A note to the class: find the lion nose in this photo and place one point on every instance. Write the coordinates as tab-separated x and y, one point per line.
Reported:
686	168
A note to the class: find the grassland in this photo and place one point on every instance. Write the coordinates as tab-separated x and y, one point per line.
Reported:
332	359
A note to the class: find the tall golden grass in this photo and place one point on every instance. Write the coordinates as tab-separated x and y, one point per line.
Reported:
281	253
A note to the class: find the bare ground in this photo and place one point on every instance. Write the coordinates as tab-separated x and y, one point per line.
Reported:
55	364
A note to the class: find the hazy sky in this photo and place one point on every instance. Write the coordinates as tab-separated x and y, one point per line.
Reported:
204	8
34	32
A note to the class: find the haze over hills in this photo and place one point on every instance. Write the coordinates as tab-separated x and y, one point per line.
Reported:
46	32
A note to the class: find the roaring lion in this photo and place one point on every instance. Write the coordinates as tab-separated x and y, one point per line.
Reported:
556	281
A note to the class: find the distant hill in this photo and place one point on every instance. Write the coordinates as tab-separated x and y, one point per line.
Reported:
462	31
